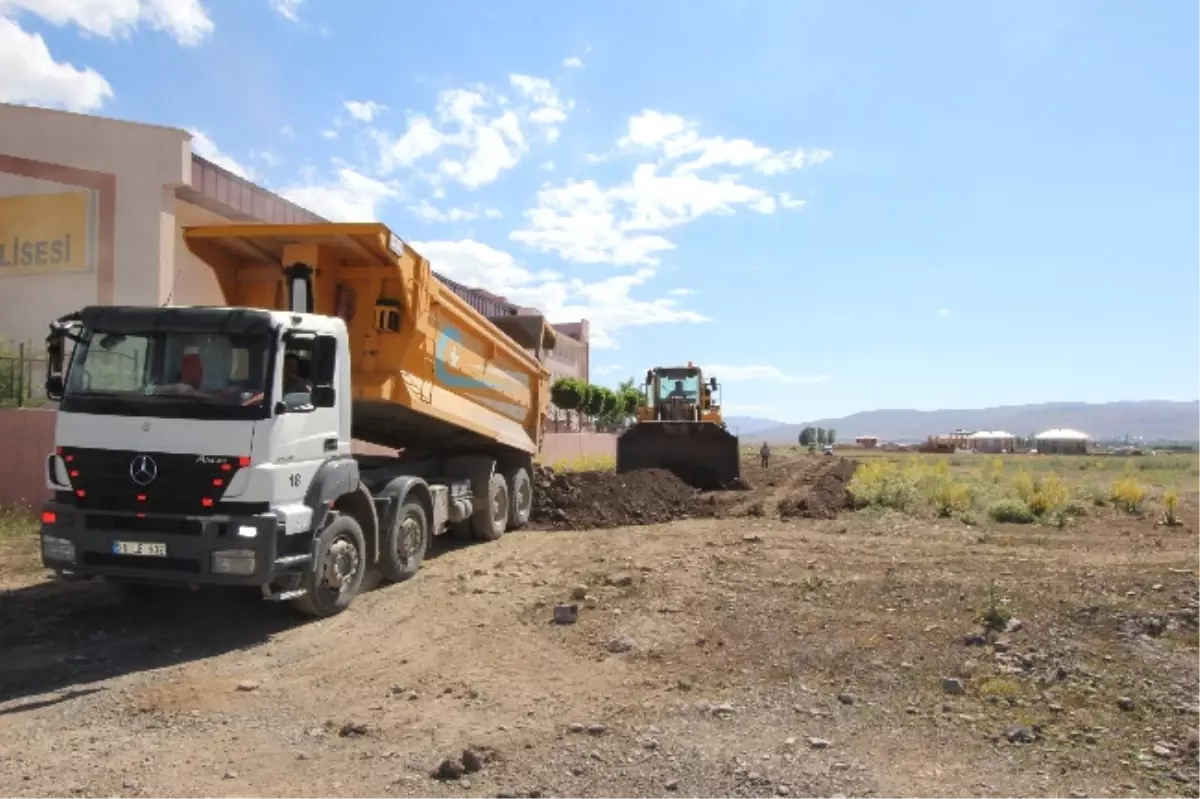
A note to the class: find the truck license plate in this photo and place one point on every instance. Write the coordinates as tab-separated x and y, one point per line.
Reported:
144	548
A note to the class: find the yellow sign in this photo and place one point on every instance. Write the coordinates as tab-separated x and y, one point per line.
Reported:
46	233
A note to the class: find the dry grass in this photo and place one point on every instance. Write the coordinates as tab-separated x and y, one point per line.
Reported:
1055	489
585	463
19	554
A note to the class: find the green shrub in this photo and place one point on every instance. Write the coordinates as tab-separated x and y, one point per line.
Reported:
1010	511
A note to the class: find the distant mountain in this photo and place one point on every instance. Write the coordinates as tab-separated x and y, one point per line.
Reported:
750	425
1153	420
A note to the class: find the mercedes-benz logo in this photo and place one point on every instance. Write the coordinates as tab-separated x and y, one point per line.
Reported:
143	470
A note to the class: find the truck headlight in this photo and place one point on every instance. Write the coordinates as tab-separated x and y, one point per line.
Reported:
58	549
239	562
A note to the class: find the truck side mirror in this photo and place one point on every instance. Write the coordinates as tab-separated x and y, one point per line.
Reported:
712	381
325	352
54	387
324	396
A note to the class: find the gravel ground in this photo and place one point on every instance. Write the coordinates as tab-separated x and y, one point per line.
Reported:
737	656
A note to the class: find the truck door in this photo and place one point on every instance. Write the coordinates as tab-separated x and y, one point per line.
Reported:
305	433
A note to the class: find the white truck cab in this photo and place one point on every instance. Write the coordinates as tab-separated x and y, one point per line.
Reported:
212	446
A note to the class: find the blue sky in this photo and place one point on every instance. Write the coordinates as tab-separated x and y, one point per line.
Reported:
842	205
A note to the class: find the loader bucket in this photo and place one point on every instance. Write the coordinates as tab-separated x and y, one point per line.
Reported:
702	454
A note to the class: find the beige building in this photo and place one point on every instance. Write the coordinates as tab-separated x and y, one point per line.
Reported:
91	211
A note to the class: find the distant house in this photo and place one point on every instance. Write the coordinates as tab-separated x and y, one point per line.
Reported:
867	442
1062	442
993	441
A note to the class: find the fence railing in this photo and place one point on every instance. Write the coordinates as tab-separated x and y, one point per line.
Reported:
22	378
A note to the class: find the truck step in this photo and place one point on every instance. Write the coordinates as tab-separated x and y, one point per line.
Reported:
285	596
292	560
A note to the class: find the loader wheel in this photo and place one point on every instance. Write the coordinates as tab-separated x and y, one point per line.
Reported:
520	497
336	574
490	515
405	543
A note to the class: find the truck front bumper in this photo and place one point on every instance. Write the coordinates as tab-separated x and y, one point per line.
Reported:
180	550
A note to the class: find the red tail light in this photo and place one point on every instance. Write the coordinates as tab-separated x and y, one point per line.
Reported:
49	517
218	482
243	462
80	493
207	502
58	450
225	467
68	458
74	473
141	497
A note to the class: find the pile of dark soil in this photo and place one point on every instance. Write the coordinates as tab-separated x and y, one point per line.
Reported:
820	491
582	500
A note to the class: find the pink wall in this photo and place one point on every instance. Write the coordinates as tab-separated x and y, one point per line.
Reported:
28	437
572	446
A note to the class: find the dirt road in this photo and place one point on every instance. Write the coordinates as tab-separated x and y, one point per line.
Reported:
736	655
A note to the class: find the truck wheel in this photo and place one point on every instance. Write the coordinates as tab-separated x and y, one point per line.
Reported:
336	575
520	497
490	515
404	544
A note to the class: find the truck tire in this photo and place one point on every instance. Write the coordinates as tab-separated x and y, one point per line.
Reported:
339	564
520	497
490	516
404	544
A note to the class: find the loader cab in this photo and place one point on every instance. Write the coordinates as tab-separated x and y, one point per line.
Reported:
679	393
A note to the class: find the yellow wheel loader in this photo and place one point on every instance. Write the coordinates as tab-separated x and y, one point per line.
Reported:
679	427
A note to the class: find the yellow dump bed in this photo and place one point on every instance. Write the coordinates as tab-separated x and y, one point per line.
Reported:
429	370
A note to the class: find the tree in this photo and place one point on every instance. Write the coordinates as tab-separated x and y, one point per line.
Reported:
595	400
568	394
820	437
807	436
830	436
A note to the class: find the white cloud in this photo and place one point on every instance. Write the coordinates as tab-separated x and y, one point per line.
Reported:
681	292
428	212
546	166
943	311
269	158
364	111
475	134
31	75
287	8
676	138
573	63
205	147
773	374
609	305
186	21
351	197
608	369
287	131
329	133
622	224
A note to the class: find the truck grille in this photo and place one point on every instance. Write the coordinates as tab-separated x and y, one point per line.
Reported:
151	482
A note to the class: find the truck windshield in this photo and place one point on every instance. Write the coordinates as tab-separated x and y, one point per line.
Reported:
679	384
178	374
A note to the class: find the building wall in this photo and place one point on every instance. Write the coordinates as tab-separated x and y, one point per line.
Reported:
570	447
130	172
28	437
193	281
1066	446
